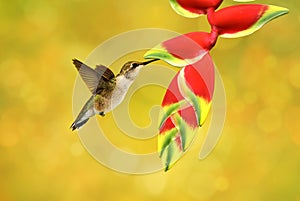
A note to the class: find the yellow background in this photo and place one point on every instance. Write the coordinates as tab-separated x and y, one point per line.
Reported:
257	158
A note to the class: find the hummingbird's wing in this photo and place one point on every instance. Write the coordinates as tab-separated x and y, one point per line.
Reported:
93	77
104	71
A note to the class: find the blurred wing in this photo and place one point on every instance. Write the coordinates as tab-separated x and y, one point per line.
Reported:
105	72
92	77
186	105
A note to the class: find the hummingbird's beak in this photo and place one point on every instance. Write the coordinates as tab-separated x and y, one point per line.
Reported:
148	62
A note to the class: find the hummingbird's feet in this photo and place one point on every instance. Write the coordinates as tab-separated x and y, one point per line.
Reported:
102	114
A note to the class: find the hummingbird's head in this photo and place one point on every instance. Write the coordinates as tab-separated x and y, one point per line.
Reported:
132	68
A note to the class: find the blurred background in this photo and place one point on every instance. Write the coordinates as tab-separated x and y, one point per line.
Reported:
257	157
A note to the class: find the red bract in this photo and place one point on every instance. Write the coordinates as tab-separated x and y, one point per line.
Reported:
184	49
200	78
194	8
192	81
189	45
186	105
172	94
242	20
199	6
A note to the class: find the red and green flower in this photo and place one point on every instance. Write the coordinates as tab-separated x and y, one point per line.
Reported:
194	8
186	105
183	50
243	20
188	99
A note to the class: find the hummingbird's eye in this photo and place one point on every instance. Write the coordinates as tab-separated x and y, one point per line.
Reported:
134	65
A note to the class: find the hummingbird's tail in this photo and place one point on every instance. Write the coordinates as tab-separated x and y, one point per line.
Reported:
86	112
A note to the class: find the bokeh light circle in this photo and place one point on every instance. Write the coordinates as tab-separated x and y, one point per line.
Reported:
93	136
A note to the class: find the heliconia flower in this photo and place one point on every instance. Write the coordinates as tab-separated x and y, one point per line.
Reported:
183	50
243	1
186	105
194	8
188	99
241	20
175	137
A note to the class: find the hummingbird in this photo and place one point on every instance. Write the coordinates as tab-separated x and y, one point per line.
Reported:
108	90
